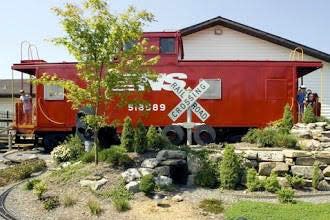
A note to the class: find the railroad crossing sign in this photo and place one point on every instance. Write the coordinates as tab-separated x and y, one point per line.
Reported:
188	100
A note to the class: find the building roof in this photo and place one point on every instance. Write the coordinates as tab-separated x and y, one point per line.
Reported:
256	33
6	87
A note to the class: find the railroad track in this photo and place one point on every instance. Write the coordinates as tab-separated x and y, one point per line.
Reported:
4	212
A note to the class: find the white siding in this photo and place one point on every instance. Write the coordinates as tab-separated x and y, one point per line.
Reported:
234	45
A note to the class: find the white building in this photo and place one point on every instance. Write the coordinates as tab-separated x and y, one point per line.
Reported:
223	39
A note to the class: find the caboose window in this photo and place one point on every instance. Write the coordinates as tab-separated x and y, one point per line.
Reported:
167	45
53	92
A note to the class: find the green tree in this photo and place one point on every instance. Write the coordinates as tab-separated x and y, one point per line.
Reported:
127	135
287	120
140	139
230	168
309	116
97	38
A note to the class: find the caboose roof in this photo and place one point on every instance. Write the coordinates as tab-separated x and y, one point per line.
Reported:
256	33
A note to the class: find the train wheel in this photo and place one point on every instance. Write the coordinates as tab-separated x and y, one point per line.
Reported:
174	133
50	141
204	134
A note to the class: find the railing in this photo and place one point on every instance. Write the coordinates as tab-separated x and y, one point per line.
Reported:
6	117
23	118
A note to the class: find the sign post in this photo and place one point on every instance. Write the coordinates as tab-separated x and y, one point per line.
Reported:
189	103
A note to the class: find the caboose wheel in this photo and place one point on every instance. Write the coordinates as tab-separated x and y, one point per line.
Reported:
204	134
50	141
174	133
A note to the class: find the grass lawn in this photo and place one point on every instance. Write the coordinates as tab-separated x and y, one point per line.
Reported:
267	211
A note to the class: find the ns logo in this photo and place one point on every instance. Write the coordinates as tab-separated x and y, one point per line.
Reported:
164	81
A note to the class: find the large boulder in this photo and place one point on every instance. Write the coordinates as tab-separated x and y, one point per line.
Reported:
326	134
191	180
133	186
171	154
309	144
150	163
162	170
326	171
131	174
265	168
281	169
305	161
173	162
296	153
146	171
194	163
272	156
323	186
301	133
163	181
303	171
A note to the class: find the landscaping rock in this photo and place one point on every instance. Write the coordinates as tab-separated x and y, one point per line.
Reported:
94	185
265	168
262	178
289	161
323	186
191	180
171	154
326	171
173	162
283	182
321	124
162	171
131	174
94	177
146	171
281	169
303	171
133	186
272	156
194	163
296	153
305	161
309	144
326	133
150	163
251	155
301	133
177	198
163	181
65	164
250	163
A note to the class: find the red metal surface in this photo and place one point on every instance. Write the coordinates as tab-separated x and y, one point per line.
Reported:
253	92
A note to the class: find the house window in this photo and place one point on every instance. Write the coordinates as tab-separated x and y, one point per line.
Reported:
53	92
167	45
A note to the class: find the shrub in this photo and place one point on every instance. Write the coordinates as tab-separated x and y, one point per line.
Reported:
207	177
120	197
316	177
309	116
252	135
212	205
286	140
155	140
116	156
127	135
29	185
68	201
285	195
51	203
296	182
88	157
286	123
140	140
323	119
94	207
252	181
230	168
147	184
39	189
70	149
271	183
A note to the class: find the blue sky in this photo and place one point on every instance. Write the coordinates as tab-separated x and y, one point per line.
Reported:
303	21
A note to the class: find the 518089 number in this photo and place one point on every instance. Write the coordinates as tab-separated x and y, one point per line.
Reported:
146	107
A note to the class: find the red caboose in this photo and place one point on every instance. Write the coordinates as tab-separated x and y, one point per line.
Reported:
242	94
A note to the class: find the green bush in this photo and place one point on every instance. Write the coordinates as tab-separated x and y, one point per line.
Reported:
127	135
140	139
88	157
285	195
51	203
296	182
39	189
29	185
309	116
207	177
286	140
155	140
147	184
94	207
230	168
116	156
120	197
316	177
252	135
214	206
271	183
252	181
286	123
71	149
